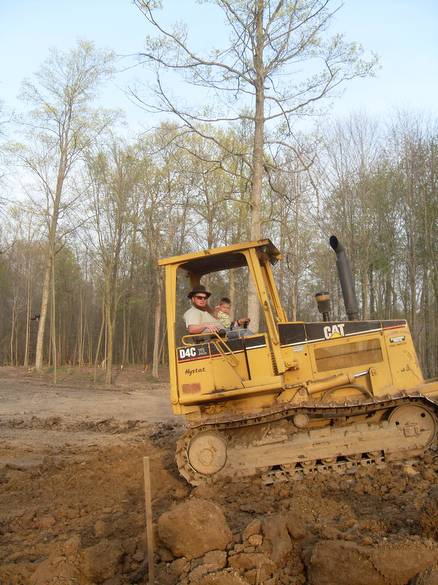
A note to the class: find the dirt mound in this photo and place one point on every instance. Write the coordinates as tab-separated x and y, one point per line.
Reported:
78	517
72	511
270	550
95	496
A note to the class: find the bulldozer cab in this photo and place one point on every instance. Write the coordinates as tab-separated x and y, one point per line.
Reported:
204	368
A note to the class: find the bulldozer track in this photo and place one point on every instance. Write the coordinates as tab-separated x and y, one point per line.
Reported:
341	416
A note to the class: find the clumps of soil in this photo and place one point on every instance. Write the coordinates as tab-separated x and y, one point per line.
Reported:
74	515
306	533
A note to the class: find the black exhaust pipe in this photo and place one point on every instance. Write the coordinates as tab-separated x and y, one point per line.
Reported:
346	279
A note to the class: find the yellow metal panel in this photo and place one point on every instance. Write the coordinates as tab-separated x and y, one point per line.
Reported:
241	392
214	372
378	381
260	363
350	354
402	358
297	360
225	376
195	377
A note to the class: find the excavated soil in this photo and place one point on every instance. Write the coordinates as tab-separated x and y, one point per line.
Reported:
72	496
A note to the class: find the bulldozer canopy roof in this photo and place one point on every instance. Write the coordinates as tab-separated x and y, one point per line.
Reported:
216	259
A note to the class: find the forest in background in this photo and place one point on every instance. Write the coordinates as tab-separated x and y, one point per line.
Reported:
97	211
375	188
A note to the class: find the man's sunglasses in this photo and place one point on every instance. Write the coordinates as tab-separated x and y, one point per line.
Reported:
201	298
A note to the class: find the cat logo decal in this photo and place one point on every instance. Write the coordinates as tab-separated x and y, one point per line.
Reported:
333	331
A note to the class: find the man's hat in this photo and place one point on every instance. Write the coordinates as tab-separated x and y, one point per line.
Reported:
199	289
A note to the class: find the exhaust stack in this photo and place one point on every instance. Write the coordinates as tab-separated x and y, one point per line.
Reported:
346	279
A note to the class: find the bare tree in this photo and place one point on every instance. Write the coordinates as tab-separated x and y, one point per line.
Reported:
256	77
60	127
113	176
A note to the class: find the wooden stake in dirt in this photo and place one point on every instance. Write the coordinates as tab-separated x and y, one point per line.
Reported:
149	524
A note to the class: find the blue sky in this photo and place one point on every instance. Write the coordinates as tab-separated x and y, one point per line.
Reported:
402	32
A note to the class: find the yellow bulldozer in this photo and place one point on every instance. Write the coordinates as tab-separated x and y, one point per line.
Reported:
295	398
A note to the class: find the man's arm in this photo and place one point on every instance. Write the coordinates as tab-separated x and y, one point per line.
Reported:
194	326
209	327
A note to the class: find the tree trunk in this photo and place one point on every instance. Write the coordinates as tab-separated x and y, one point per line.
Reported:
39	353
157	327
99	342
372	291
27	337
232	287
364	293
53	322
13	330
109	340
81	335
257	158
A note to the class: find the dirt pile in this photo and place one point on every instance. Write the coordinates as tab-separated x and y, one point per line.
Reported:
72	509
284	549
78	514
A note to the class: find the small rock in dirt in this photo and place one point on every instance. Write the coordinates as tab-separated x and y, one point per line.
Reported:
380	565
55	570
193	528
433	492
113	581
198	572
428	457
251	576
253	527
429	475
100	529
72	546
138	556
179	567
400	562
101	561
296	525
329	533
247	561
180	492
255	540
253	508
45	522
427	577
165	554
204	491
215	559
226	577
275	531
341	563
409	470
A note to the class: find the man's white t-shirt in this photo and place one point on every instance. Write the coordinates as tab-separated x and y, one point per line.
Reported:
196	317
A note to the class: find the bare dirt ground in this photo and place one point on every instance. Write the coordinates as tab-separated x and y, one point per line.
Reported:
72	500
